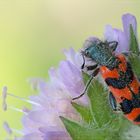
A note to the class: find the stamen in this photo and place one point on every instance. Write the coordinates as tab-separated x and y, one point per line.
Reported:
23	99
4	93
10	131
26	110
34	82
4	105
7	128
17	109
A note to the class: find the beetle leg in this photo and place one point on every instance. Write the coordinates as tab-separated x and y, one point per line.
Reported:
113	45
113	102
83	65
88	84
92	67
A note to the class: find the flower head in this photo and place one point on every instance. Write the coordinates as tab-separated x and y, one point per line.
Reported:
54	100
42	122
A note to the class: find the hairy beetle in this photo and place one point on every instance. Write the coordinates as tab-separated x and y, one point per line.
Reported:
117	73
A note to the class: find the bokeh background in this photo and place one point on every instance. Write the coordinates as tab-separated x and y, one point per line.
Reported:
33	34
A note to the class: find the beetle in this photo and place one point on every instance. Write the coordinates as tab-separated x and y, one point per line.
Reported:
123	85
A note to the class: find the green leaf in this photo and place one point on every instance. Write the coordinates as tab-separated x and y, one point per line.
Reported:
84	112
134	58
134	48
76	131
85	77
79	132
99	103
135	62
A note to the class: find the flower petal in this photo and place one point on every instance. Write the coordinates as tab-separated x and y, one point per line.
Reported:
112	34
57	135
71	77
32	136
128	19
44	117
74	57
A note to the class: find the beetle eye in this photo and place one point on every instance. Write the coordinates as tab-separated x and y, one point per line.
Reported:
87	54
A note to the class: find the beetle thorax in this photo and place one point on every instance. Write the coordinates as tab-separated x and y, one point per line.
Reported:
102	55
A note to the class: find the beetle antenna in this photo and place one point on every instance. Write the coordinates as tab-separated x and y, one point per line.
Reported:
88	83
86	87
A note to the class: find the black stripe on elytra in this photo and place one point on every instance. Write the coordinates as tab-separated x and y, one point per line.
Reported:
137	119
124	79
128	105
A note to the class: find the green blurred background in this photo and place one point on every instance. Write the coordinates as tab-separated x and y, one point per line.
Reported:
33	34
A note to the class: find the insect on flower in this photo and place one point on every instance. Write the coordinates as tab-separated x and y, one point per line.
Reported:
117	73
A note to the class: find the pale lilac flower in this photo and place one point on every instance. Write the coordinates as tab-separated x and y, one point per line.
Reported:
42	122
55	98
122	37
128	19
